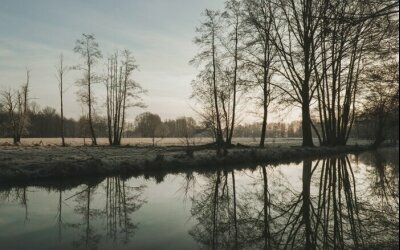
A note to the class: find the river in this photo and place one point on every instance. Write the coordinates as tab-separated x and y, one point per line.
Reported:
336	203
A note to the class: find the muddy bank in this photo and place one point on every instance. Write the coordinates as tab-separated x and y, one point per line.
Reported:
58	163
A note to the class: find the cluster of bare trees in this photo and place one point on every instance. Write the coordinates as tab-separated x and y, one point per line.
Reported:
149	125
294	53
380	88
122	91
16	104
89	50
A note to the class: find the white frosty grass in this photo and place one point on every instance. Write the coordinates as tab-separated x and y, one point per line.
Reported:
164	141
31	153
25	157
16	155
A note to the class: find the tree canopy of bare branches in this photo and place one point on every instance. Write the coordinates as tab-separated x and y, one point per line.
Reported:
88	49
122	93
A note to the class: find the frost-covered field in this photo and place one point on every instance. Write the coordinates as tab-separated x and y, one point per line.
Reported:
162	142
32	162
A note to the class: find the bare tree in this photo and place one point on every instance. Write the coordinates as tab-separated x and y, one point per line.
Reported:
16	104
122	93
381	101
61	70
261	52
380	78
296	43
186	128
207	41
232	17
10	106
147	124
88	48
338	63
202	92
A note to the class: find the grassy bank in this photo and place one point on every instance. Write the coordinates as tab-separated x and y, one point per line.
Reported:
54	162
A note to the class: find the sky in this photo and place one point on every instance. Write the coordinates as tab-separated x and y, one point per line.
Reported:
160	34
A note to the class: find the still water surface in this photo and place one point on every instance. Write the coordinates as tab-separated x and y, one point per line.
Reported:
337	203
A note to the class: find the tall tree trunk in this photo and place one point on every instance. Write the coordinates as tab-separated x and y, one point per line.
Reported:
264	125
229	138
306	120
265	102
265	97
308	52
94	141
109	99
215	90
266	63
306	127
62	111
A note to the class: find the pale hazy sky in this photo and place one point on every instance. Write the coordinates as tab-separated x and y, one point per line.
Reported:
158	32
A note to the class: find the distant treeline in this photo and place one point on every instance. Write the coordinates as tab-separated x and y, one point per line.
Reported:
46	123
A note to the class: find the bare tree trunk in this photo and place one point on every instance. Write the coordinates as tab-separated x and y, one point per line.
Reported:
21	120
235	76
94	141
264	124
308	51
62	115
61	70
25	92
88	48
265	95
306	126
215	91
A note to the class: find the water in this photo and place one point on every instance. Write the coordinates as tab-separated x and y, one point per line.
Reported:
347	202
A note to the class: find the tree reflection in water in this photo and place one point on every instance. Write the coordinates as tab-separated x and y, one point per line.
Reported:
113	200
382	197
121	202
215	210
328	204
330	210
336	214
18	194
89	238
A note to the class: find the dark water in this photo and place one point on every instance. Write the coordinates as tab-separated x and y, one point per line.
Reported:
337	203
